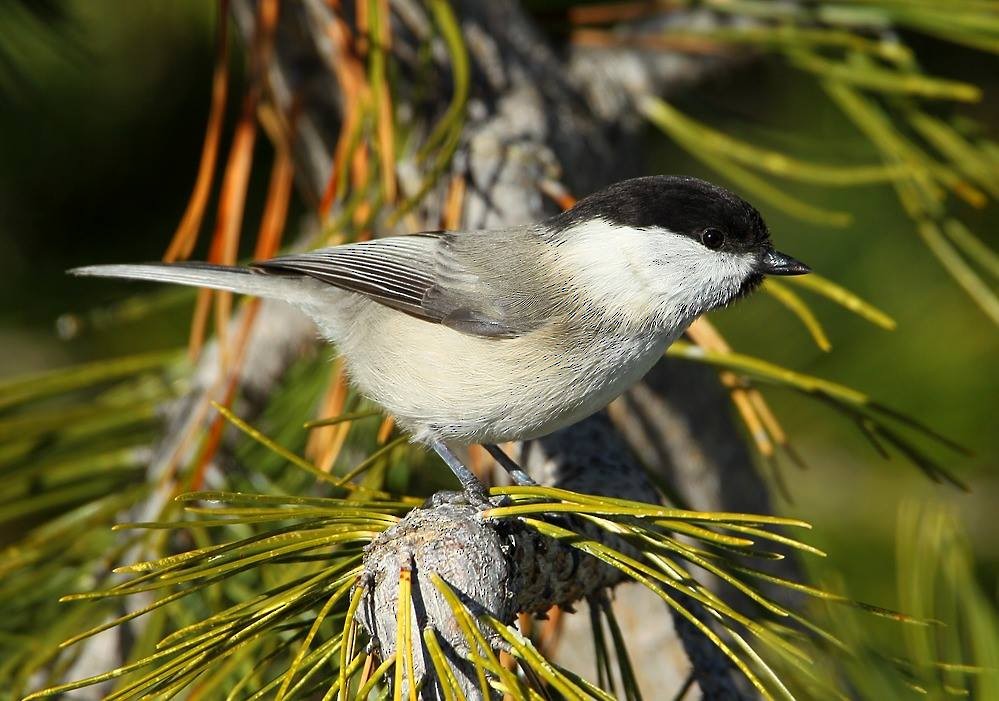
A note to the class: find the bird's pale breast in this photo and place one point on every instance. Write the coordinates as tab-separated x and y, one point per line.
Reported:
440	383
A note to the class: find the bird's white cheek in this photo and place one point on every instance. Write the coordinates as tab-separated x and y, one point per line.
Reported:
696	279
650	276
721	275
610	264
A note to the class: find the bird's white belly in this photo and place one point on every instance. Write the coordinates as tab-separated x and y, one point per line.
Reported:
589	388
442	384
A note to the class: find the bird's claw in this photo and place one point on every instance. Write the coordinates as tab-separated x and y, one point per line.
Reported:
479	499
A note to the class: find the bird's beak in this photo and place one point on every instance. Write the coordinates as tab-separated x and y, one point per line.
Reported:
776	263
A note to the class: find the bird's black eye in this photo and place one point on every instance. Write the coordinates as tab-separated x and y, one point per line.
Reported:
713	238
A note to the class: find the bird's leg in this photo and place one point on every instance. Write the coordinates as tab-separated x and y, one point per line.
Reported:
515	471
473	488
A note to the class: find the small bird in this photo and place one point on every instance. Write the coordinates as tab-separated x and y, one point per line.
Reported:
483	337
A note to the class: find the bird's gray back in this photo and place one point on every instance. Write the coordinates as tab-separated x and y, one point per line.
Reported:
493	284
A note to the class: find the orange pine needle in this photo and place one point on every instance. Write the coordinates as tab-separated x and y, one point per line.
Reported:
186	234
480	463
385	430
386	143
613	12
267	19
760	421
525	622
340	152
366	671
653	42
753	423
349	72
275	215
325	443
970	194
386	127
551	631
509	662
451	216
190	433
363	22
359	173
214	438
557	192
767	416
232	200
704	334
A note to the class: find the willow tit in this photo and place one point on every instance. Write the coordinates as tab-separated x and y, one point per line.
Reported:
510	334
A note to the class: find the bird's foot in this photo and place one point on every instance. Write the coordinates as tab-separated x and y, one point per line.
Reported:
477	498
473	491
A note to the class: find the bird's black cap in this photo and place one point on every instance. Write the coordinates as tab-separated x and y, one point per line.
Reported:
683	205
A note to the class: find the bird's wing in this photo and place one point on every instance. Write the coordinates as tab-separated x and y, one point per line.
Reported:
440	277
396	271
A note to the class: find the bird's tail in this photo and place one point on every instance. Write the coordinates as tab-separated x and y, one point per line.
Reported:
217	277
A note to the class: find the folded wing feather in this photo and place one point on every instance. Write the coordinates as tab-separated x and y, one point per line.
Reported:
443	277
453	279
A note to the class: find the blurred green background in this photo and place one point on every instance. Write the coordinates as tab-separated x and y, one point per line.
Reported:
104	107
